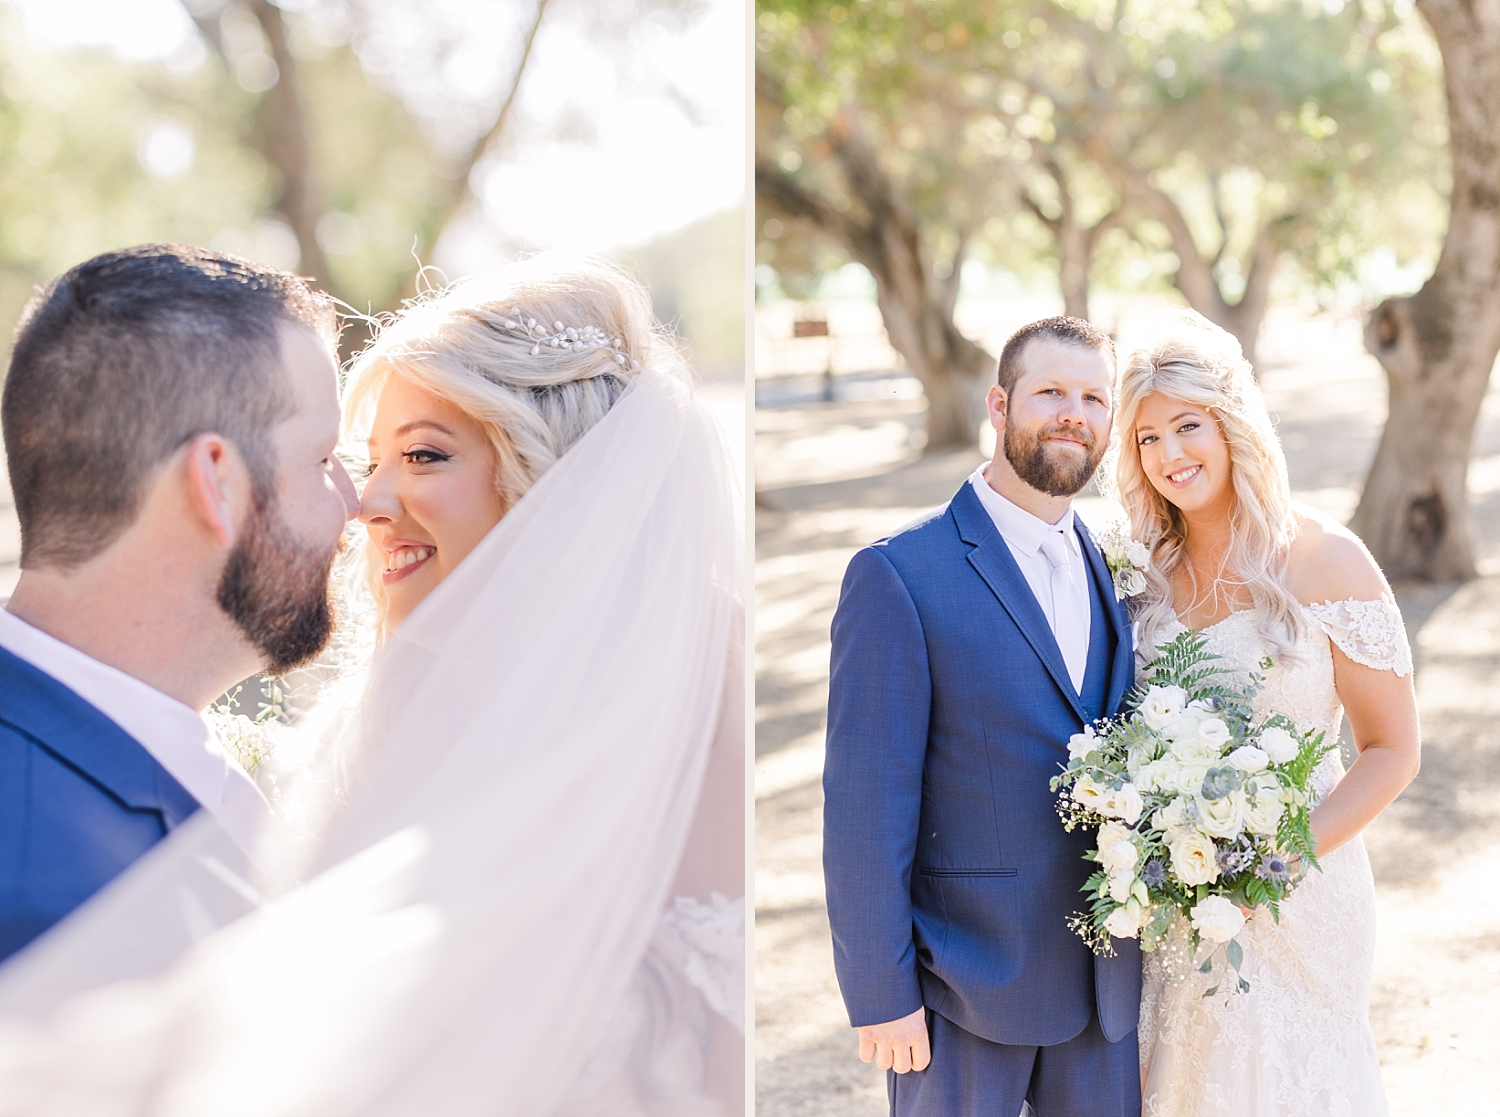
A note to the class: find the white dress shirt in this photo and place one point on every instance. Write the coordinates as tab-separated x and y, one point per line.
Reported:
1023	534
177	737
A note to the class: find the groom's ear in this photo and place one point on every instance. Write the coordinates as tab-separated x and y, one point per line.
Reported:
218	486
995	401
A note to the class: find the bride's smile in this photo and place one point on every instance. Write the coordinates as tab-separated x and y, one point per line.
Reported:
1183	453
430	494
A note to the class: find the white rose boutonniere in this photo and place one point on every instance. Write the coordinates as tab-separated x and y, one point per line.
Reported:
1128	560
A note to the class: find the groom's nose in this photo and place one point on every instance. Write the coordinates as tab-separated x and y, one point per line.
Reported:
345	486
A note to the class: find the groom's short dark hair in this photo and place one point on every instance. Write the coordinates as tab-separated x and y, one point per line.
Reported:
1074	331
123	360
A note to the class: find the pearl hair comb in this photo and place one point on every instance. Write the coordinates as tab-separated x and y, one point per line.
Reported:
566	337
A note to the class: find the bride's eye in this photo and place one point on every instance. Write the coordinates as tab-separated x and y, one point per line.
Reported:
1146	440
425	457
1187	428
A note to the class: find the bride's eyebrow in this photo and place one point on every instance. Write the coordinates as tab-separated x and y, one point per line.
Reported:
417	424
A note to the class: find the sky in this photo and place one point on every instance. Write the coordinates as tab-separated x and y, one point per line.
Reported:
654	128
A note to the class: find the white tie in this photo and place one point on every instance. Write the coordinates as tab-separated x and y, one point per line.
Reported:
1070	622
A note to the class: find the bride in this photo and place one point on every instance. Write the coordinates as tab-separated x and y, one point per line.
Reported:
507	876
1201	474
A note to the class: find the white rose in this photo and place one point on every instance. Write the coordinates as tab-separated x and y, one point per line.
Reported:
1263	814
1263	784
1119	856
1137	553
1194	859
1120	882
1278	745
1161	706
1217	919
1124	802
1081	744
1213	731
1123	923
1223	817
1157	775
1132	582
1190	777
1248	758
1088	794
1193	749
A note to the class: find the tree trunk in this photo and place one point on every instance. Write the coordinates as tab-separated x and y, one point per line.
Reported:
1438	347
915	304
1074	255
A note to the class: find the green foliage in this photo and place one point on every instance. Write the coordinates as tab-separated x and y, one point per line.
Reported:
1324	127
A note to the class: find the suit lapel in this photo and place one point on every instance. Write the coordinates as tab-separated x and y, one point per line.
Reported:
1122	662
992	560
84	738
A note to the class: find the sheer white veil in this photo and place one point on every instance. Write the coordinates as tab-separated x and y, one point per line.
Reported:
533	745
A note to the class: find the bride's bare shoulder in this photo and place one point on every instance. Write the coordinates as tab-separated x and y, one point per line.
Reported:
1328	562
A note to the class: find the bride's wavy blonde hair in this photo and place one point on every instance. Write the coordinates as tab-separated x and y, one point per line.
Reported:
532	401
1203	365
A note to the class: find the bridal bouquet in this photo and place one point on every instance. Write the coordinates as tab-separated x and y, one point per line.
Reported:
1201	810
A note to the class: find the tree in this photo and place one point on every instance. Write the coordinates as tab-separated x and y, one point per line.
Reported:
1236	134
1438	346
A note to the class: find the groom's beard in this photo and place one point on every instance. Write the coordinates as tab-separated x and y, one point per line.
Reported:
277	590
1050	468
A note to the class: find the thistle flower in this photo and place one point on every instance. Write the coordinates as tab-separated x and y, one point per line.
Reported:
1275	869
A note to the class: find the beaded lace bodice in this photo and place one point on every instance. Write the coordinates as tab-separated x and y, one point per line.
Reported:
1299	1043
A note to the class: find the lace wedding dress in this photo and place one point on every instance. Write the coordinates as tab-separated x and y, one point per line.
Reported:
1298	1044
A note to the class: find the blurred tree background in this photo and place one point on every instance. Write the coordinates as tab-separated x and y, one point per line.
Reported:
1219	152
350	139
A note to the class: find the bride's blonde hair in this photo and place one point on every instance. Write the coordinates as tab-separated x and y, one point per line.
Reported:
1203	365
473	344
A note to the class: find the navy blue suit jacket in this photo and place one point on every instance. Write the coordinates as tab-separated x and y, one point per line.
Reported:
80	799
950	878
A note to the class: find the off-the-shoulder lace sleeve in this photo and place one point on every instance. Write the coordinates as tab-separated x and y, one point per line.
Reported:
708	941
1368	632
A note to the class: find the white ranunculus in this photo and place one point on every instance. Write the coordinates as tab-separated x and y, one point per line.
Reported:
1137	553
1132	582
1124	802
1120	882
1088	794
1194	859
1217	919
1123	923
1081	744
1278	745
1263	814
1161	706
1214	732
1223	817
1248	758
1119	855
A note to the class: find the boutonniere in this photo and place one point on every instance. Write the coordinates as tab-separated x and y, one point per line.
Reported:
1128	560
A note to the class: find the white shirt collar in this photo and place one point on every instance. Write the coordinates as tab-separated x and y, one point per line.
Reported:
1018	527
175	735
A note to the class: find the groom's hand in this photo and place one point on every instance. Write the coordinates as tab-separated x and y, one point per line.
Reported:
900	1045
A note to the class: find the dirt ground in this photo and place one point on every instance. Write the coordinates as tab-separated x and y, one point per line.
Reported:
835	476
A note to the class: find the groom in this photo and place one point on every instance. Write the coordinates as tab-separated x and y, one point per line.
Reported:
169	419
966	650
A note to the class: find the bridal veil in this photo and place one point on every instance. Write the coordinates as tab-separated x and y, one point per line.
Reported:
531	754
